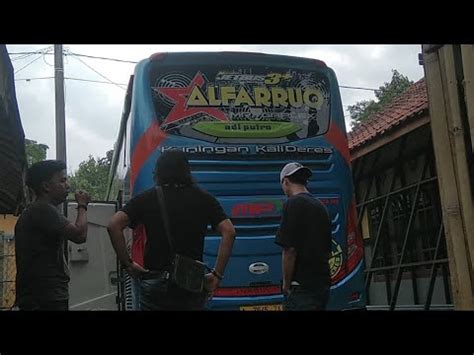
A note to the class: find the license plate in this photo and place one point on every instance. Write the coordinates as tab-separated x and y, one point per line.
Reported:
263	307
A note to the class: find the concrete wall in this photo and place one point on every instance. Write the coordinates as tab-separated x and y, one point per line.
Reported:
378	293
93	264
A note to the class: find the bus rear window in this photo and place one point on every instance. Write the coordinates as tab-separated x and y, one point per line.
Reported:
241	104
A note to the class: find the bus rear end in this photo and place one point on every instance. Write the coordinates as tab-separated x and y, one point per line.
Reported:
240	117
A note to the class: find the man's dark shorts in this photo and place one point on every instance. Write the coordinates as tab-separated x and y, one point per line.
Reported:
303	299
35	305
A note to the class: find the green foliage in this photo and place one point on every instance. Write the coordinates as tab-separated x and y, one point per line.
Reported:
362	110
92	176
35	152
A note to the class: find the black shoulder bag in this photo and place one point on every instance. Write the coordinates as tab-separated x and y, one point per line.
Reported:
186	273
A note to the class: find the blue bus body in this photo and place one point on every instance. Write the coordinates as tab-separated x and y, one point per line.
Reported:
240	117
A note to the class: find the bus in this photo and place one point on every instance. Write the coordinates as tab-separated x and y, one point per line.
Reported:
240	117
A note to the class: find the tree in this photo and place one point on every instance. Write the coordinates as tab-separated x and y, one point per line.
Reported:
35	152
92	176
362	110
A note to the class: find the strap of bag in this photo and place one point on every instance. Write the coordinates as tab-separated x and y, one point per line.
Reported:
164	216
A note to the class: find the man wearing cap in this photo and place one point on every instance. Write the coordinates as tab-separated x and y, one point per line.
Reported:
305	236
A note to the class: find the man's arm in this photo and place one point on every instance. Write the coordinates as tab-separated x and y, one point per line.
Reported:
288	265
117	224
287	238
227	231
77	232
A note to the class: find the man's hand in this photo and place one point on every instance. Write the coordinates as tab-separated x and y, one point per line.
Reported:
135	270
288	265
285	288
82	197
211	282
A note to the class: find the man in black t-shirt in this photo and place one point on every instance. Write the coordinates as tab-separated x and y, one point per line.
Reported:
190	210
41	232
305	235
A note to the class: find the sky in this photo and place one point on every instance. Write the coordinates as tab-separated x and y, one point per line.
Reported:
93	110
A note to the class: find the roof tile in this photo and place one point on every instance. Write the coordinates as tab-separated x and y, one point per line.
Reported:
412	101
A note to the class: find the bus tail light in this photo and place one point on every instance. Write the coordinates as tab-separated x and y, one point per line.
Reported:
248	291
355	247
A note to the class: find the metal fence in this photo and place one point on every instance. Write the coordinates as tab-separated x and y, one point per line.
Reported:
7	271
405	249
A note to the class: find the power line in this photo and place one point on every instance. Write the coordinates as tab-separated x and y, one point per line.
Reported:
97	72
20	53
24	55
78	79
98	81
356	88
30	79
27	65
46	49
67	52
44	60
104	58
67	78
42	52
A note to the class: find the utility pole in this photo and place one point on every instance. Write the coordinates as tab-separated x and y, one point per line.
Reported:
60	117
59	99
